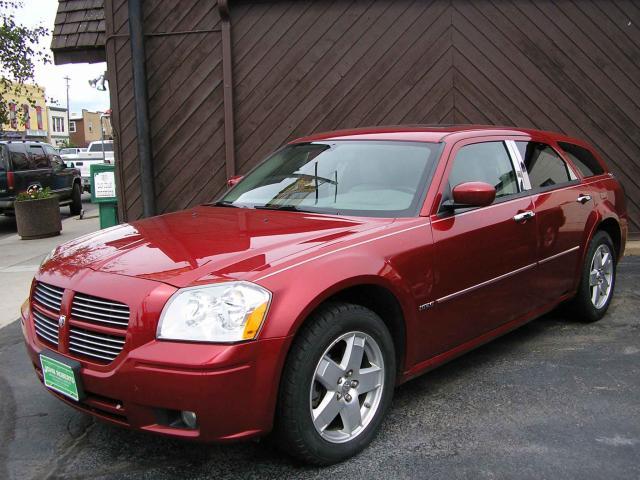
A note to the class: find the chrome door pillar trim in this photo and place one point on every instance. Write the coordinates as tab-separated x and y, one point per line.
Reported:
518	165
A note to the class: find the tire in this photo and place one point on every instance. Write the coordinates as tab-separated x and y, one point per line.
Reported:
76	199
317	377
589	306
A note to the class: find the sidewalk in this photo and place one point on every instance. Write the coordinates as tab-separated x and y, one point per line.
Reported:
20	259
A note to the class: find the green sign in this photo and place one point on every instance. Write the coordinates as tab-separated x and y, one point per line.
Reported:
59	377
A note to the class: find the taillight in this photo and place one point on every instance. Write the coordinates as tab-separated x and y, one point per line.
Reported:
11	181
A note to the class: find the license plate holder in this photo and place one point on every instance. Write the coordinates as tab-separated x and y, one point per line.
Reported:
62	375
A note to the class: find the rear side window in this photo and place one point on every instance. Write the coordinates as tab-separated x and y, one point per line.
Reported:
583	159
544	166
38	156
4	158
487	162
19	158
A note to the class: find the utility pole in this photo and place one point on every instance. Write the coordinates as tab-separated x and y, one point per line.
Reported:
67	80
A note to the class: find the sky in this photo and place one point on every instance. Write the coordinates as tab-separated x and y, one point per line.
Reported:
51	77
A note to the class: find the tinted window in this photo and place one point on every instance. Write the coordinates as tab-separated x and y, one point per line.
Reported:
371	178
96	147
487	162
39	158
583	159
544	165
19	158
4	158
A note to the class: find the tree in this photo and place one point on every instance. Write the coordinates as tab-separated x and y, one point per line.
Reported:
20	51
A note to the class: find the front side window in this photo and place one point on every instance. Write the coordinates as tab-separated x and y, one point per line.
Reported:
487	162
368	178
544	165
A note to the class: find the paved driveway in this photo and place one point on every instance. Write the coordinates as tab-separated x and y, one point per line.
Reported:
555	399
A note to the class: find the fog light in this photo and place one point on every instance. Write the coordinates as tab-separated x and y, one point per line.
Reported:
189	418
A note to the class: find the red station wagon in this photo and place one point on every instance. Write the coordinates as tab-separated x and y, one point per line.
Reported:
343	265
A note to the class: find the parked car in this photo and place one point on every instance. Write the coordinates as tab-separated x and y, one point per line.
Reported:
26	163
343	265
91	156
71	151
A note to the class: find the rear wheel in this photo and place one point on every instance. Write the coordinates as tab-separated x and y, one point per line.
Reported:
598	279
76	199
336	386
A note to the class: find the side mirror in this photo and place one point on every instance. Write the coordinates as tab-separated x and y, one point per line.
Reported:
473	194
234	180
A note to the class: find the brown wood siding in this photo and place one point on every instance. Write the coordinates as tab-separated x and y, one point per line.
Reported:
306	66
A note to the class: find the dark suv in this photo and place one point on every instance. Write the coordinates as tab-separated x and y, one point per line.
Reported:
24	163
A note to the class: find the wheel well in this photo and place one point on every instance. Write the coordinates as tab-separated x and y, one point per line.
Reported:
613	229
384	304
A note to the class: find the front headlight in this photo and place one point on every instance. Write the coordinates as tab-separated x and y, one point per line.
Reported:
223	312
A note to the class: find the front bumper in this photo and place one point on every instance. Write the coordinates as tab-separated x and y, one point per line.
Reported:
231	388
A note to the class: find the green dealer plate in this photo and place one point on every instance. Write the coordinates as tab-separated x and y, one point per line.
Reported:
61	374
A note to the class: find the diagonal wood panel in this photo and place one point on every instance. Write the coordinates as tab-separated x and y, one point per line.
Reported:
302	66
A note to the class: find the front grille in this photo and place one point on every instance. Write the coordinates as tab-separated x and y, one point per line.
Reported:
93	344
46	327
98	310
48	296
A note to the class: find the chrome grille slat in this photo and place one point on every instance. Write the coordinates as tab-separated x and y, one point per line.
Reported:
123	311
101	311
78	341
93	349
87	298
94	344
50	296
85	334
46	303
102	357
57	290
93	312
98	320
46	336
46	328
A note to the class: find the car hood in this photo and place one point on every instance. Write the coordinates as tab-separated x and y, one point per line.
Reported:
182	248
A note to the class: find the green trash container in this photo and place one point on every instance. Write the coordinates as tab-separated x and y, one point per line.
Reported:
103	192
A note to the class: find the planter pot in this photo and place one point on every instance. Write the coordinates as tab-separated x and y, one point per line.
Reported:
38	218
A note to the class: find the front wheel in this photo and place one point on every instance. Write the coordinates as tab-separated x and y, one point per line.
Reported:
597	281
337	385
76	199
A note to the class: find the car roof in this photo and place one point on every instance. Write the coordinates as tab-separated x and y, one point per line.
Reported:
426	133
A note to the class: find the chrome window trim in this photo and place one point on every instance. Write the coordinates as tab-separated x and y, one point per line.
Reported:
518	164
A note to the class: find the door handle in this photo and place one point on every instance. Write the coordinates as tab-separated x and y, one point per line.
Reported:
524	216
583	199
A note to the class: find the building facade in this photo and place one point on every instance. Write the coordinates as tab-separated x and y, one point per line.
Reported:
230	81
84	128
27	114
58	126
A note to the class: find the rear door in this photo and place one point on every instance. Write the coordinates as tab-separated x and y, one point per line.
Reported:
484	257
562	210
41	171
24	172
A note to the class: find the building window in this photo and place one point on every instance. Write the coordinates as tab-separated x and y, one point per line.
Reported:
58	124
39	118
26	116
13	116
72	127
90	127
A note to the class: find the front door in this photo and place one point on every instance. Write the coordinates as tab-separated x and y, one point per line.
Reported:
484	257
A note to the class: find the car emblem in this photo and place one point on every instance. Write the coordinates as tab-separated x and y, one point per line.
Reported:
61	321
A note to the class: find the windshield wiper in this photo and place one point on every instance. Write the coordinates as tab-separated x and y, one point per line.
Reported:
223	203
284	208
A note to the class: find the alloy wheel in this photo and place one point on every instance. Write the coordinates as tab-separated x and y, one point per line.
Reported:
601	276
347	387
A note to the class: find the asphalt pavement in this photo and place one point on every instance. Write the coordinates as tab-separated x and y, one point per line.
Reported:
555	399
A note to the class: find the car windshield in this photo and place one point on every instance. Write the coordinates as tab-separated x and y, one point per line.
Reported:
367	178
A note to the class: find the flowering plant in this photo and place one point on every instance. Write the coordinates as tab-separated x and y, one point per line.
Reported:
34	192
